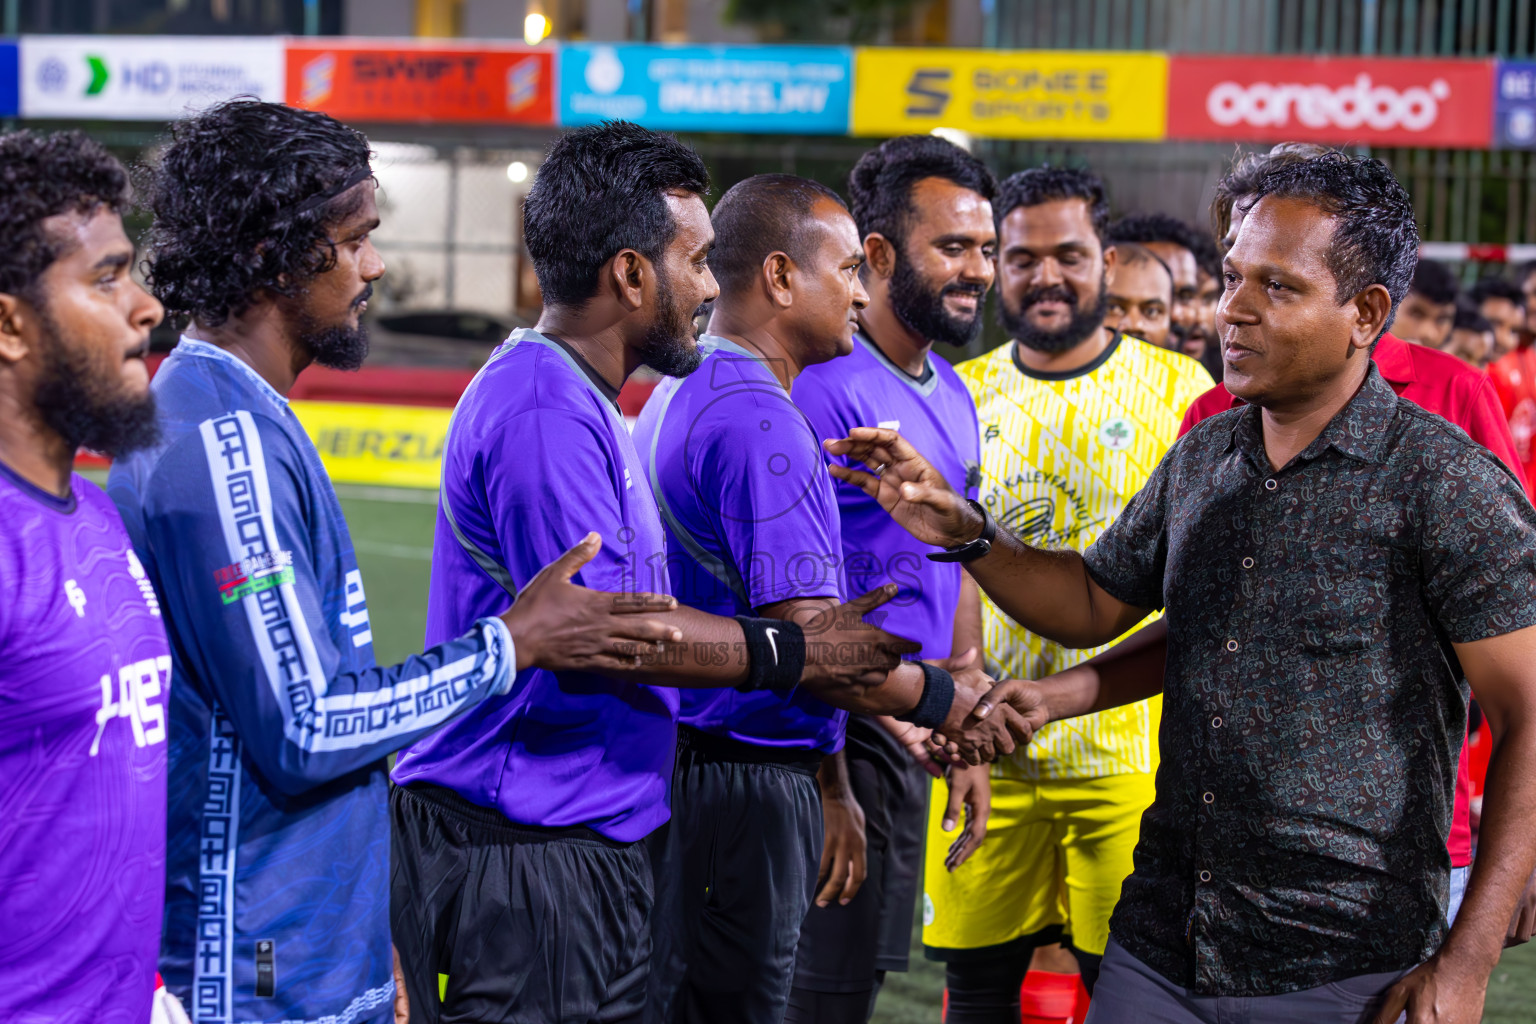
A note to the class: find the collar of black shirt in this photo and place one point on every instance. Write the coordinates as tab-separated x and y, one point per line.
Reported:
1359	430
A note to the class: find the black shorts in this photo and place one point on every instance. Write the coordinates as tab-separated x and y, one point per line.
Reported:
841	947
514	924
735	873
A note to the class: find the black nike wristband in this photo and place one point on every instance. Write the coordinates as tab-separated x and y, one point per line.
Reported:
938	696
775	653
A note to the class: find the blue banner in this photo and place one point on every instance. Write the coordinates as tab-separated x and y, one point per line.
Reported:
1514	104
10	80
797	90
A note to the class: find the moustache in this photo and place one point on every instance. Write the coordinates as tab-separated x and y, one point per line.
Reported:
1053	293
367	293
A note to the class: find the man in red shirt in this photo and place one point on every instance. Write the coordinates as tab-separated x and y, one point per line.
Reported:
1514	381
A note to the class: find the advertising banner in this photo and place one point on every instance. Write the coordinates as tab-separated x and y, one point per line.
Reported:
388	445
10	82
1010	94
1381	101
391	82
144	78
1514	105
800	90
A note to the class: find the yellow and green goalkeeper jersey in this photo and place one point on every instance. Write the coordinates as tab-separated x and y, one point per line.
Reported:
1061	454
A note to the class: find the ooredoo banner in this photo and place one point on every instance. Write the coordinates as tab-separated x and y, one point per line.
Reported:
401	83
1394	102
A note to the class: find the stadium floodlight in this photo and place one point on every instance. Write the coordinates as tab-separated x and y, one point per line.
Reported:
517	172
535	28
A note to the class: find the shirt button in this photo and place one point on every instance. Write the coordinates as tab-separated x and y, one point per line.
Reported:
1205	876
1248	563
1209	798
1270	484
1216	722
1231	645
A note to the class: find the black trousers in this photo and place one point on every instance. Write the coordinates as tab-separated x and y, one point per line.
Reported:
499	923
845	951
736	872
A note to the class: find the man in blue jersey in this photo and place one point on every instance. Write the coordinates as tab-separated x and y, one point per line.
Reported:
277	866
923	210
84	662
522	891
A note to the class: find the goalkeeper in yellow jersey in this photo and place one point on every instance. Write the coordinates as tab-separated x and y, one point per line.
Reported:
1074	417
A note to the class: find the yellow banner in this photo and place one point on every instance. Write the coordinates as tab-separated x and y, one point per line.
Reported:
391	445
1011	94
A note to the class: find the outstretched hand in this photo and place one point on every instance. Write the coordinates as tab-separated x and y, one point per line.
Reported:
560	626
915	494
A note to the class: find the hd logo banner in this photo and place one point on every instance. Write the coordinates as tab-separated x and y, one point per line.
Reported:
1011	94
801	90
144	78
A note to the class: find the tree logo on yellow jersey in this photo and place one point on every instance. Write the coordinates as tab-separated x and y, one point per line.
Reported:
1117	434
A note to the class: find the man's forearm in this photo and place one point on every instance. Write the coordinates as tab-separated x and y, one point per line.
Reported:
1050	593
1130	671
1506	849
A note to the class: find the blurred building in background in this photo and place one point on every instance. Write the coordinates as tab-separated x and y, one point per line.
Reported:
420	75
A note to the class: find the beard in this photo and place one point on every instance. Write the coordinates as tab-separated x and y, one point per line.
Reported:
338	346
669	347
88	412
1074	332
920	307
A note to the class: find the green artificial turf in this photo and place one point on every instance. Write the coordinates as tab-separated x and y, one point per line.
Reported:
392	530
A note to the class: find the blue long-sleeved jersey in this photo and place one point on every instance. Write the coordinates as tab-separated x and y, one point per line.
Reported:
277	895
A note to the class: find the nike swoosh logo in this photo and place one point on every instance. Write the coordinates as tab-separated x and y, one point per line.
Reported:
773	644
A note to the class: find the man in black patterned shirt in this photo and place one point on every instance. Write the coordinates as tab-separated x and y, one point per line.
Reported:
1337	565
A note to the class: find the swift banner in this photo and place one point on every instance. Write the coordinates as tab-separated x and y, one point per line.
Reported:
384	82
796	89
144	78
1393	102
1010	94
391	445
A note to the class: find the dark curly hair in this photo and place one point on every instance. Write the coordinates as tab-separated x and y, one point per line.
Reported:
1143	228
1375	238
1435	281
1497	288
42	176
600	190
1048	184
1243	177
880	184
234	198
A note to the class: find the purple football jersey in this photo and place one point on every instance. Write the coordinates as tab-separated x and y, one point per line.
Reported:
936	414
86	668
751	520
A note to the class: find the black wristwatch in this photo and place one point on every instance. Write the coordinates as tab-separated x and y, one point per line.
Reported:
976	548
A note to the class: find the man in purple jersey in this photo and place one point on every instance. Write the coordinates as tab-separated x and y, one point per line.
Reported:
521	890
86	665
923	210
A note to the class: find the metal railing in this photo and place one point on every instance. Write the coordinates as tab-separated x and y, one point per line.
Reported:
1419	28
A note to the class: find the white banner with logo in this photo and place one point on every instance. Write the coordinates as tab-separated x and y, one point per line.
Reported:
144	78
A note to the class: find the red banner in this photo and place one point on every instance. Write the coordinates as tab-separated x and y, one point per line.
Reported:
1396	102
409	84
